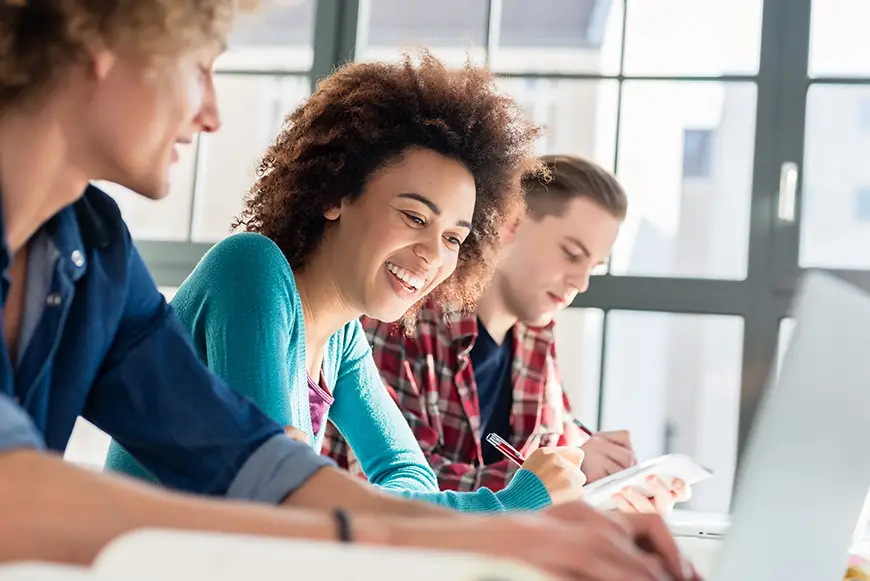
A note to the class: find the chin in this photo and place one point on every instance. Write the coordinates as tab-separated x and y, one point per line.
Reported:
158	191
386	313
538	320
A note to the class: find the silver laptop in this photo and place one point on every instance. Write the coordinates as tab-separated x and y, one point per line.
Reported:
806	470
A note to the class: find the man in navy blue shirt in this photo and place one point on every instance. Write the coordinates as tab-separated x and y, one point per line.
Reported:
91	90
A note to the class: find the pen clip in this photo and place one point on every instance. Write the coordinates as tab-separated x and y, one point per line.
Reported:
505	448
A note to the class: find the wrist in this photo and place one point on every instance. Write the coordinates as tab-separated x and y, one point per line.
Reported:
376	531
342	525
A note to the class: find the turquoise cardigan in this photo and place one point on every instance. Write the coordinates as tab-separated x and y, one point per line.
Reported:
244	314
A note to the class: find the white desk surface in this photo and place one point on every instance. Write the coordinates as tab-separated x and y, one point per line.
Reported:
702	551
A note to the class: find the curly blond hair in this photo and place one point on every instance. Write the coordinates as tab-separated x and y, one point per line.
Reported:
40	38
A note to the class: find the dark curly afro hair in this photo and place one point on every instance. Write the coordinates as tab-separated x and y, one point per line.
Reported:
363	117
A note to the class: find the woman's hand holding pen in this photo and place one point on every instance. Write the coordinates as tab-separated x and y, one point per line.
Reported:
559	471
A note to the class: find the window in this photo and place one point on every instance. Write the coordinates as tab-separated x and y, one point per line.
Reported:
680	392
697	153
678	227
864	115
553	23
836	180
451	29
862	204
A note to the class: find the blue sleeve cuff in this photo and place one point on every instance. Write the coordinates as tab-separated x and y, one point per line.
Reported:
16	427
277	469
525	491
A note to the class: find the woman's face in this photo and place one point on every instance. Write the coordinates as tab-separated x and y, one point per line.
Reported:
401	238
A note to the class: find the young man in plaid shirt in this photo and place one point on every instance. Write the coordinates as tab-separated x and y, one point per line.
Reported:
461	377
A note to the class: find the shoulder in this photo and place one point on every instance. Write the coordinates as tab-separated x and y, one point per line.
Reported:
247	259
245	271
246	250
99	218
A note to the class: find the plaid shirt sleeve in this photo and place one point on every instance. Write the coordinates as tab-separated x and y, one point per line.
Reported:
405	364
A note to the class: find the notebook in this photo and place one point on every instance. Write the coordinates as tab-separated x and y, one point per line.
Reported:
667	467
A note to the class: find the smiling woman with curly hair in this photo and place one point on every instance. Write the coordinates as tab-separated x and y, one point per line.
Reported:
390	184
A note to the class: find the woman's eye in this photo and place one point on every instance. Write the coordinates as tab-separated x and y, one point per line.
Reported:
453	241
415	219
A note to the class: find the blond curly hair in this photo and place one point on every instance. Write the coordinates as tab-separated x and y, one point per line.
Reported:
41	38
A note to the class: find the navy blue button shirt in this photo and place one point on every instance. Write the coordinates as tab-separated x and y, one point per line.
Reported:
98	340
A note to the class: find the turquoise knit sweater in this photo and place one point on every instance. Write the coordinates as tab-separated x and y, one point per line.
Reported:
244	313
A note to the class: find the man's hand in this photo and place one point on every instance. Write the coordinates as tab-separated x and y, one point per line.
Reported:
645	534
571	541
662	501
607	453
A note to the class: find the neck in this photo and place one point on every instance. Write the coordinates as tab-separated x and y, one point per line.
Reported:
323	306
37	174
493	312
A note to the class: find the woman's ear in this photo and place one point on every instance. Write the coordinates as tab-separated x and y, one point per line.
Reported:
332	213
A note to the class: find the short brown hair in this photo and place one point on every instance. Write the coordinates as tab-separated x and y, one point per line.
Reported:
365	116
40	38
567	177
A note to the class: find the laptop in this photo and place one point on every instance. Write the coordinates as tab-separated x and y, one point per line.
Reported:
806	470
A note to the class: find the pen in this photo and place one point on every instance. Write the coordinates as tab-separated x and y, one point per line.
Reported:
582	427
502	446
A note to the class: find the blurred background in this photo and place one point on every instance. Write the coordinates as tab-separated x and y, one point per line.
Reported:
736	126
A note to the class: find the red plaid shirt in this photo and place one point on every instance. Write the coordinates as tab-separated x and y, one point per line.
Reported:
429	375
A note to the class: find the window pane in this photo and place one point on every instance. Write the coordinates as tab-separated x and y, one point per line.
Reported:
692	37
279	35
579	117
685	159
786	328
166	219
579	334
452	29
839	43
559	35
254	106
87	445
673	380
835	207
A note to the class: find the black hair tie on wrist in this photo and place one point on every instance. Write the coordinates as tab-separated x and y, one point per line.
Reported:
342	522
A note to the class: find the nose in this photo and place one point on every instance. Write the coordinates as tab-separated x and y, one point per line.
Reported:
579	282
429	249
209	118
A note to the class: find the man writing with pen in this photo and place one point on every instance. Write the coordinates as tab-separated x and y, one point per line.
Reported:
460	378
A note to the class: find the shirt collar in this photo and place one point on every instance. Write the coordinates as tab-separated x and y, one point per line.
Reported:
460	329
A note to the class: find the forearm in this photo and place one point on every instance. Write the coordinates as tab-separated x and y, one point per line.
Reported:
330	488
53	511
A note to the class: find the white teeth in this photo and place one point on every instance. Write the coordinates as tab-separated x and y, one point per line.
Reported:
406	276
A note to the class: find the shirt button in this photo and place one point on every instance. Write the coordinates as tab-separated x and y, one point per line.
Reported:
52	300
77	258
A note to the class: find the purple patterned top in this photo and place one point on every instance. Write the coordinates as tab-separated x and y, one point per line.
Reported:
319	400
